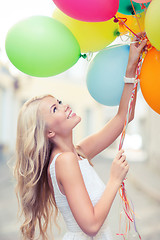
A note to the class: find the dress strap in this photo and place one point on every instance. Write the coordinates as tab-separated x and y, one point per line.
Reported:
52	172
55	157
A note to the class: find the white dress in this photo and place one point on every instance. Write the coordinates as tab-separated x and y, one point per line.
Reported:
95	188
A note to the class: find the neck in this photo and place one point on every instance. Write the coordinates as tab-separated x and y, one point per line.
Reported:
64	144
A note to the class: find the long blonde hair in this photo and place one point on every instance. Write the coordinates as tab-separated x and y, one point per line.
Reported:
33	151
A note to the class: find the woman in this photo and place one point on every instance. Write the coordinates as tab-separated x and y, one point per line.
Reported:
51	171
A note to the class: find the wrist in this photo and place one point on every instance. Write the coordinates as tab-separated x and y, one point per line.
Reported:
114	183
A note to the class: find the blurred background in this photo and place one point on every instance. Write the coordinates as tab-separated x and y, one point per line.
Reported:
142	141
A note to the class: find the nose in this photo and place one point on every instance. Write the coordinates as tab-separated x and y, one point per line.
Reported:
66	107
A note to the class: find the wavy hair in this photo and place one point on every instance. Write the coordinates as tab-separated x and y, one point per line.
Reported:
33	150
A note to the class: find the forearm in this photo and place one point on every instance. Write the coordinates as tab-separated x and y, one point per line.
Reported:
118	172
127	92
102	208
136	48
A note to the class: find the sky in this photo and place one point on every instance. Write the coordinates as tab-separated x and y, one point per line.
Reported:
12	11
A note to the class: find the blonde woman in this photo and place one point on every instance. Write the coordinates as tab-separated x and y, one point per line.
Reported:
54	174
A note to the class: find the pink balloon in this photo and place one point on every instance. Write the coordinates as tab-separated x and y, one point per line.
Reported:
89	10
142	1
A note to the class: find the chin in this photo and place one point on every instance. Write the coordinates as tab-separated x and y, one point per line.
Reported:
78	120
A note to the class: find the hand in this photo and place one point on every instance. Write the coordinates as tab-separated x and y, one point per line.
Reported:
119	168
138	46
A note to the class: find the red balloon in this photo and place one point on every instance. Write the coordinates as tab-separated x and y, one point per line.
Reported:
89	10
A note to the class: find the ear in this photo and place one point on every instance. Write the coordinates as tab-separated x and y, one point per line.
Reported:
50	134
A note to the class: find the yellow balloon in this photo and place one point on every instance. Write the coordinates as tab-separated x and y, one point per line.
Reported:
135	24
152	23
92	36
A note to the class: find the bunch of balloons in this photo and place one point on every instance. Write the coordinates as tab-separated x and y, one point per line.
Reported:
45	46
150	77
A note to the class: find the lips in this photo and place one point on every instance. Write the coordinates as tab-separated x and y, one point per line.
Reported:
70	113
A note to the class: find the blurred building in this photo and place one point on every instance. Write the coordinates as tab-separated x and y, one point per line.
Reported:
153	140
68	87
143	134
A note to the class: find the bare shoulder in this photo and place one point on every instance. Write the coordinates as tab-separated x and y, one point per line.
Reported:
66	158
66	163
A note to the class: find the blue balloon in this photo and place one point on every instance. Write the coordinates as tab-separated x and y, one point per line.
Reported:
105	75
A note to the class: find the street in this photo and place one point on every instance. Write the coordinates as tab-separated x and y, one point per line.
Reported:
147	209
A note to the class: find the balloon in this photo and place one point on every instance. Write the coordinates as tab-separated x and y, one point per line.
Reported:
152	23
88	10
92	36
150	79
105	75
41	46
142	1
125	7
132	23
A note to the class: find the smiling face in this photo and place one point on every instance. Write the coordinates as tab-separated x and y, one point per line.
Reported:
59	118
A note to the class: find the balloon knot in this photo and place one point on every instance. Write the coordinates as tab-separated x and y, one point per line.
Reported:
115	19
83	56
87	56
116	33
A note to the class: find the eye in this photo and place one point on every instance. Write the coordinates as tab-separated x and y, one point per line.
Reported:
54	109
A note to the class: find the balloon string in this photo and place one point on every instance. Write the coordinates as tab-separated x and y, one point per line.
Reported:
130	102
120	19
120	44
127	117
135	227
136	15
128	210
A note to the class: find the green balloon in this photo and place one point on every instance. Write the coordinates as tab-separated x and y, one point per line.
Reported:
41	46
126	8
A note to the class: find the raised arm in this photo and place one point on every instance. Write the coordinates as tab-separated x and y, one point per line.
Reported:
90	218
97	142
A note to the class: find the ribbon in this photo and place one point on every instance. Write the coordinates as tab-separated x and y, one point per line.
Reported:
128	209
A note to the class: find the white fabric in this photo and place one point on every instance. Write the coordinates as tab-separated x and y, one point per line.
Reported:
95	187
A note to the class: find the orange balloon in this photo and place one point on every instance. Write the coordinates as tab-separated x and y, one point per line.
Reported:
132	23
150	79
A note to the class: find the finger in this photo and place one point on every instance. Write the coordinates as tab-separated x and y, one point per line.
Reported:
119	154
145	49
127	167
135	39
123	158
139	38
126	163
140	35
143	44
